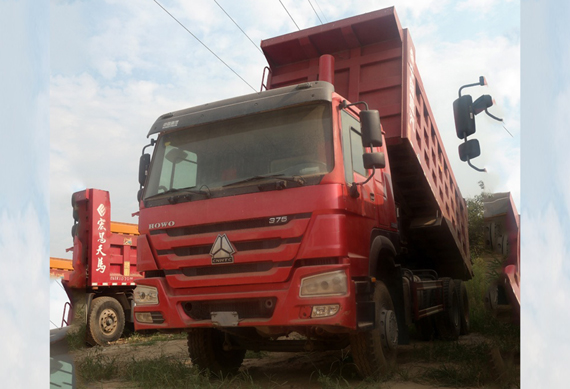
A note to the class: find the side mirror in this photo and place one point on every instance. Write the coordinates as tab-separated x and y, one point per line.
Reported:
144	164
374	160
469	150
370	128
464	117
482	103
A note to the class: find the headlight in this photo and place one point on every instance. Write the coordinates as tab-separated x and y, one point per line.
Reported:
326	284
145	295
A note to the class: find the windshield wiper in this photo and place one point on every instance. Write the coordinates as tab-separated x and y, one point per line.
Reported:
279	176
182	193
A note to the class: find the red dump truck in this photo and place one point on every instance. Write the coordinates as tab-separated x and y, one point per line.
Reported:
100	278
293	210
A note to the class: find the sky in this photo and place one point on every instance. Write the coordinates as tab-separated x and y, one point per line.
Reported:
118	65
24	193
545	211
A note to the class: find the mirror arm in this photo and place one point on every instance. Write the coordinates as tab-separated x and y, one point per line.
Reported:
469	160
344	104
481	82
152	143
476	168
493	116
354	188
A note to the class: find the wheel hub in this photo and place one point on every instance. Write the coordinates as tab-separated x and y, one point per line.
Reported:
108	321
389	329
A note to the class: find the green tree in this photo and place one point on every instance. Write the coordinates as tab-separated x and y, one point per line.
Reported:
477	227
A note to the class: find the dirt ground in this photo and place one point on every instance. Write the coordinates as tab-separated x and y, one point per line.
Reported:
283	370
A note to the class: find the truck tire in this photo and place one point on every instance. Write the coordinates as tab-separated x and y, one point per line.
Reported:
448	322
463	301
374	351
206	350
105	322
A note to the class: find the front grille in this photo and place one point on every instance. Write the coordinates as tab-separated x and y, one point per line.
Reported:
318	261
235	268
265	244
157	317
246	309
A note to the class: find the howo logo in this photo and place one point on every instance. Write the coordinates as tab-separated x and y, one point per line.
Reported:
222	250
160	225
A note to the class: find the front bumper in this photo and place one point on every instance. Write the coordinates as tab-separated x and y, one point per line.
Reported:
273	304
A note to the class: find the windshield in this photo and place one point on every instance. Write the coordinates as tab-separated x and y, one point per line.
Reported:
289	142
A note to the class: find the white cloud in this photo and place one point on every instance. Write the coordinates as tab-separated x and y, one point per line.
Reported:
23	195
560	139
479	6
25	301
545	291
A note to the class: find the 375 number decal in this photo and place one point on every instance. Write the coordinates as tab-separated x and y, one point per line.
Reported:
278	220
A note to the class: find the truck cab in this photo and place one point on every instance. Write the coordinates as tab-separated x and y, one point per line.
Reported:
268	203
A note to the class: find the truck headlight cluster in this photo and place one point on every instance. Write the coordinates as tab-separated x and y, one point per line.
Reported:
145	295
326	284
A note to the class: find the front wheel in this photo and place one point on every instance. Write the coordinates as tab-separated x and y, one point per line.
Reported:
106	321
210	349
374	351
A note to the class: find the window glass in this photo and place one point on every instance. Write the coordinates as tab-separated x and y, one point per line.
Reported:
352	147
293	142
357	151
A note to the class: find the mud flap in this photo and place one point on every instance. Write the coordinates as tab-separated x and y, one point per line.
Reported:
365	306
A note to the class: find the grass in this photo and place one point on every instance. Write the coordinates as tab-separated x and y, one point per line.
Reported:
250	354
96	367
76	337
160	372
151	338
454	364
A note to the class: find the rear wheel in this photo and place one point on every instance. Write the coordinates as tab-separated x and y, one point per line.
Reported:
448	322
463	301
106	321
209	349
374	351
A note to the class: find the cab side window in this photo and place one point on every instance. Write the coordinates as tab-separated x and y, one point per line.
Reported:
352	147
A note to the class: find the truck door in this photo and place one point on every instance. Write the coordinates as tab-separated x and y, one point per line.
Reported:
365	205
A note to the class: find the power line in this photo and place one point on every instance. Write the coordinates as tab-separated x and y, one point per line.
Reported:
315	11
321	10
203	44
289	15
53	324
256	46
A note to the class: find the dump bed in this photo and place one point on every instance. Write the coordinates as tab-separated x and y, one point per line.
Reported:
374	61
104	252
